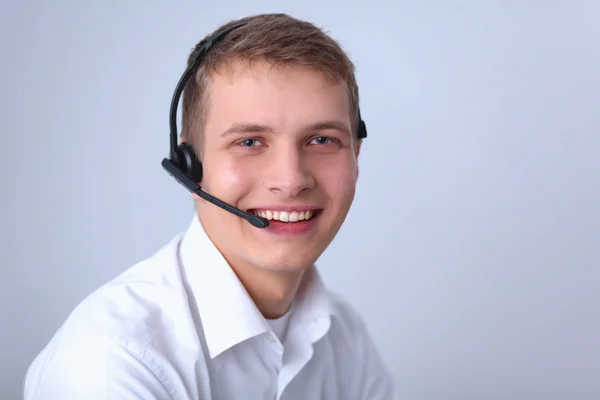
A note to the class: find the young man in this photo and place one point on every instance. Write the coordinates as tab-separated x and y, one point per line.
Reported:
227	309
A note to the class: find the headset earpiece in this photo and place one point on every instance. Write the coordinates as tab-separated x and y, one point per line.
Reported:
188	162
362	129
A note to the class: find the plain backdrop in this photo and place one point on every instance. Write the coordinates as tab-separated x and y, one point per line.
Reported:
472	248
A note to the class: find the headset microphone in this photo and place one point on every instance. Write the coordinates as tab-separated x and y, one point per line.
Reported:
193	187
183	164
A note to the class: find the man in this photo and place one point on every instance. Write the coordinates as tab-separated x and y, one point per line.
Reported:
229	310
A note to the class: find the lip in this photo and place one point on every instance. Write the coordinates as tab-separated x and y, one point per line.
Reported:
288	229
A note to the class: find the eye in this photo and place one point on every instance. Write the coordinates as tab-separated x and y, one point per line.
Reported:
323	140
327	142
250	143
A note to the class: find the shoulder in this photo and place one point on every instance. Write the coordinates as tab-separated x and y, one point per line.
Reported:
113	339
345	317
355	346
95	367
134	304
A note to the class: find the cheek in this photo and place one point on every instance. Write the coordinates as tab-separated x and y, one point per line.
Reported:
226	178
339	182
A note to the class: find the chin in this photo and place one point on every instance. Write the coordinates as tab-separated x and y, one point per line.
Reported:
290	263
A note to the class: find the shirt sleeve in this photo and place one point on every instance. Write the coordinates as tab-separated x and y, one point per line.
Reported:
97	369
376	381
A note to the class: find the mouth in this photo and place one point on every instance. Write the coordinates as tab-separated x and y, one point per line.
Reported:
289	217
292	222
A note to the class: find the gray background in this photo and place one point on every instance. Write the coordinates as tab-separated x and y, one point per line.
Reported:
472	247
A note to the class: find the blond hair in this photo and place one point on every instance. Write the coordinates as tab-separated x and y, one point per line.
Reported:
277	38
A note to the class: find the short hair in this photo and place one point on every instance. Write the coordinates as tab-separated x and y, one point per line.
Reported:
277	38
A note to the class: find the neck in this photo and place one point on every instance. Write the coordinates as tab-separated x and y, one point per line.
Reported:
272	292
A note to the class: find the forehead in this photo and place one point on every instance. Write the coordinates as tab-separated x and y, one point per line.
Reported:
283	96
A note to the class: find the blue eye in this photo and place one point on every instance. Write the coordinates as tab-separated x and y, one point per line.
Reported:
323	140
249	142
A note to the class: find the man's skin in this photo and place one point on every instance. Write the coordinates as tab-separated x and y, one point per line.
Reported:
276	137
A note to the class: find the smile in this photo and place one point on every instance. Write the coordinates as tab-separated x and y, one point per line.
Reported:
286	216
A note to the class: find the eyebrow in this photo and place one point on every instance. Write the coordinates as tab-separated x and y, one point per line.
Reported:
240	127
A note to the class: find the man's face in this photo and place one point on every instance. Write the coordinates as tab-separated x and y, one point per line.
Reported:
277	142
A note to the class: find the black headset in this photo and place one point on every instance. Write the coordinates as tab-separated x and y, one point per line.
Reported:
183	163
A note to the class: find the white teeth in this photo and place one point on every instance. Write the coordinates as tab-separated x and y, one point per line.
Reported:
285	216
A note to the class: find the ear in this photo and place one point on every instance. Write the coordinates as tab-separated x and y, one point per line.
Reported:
357	152
357	149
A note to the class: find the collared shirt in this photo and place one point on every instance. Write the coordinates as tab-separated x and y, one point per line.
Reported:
180	325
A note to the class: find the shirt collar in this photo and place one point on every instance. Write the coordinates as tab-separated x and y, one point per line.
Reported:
311	309
228	314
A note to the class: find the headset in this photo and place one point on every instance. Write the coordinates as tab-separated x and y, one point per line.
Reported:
183	163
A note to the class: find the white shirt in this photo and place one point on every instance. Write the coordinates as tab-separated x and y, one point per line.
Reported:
180	325
279	326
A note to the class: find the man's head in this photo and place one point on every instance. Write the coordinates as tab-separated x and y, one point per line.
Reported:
273	115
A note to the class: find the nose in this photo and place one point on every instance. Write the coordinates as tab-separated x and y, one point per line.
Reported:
289	173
